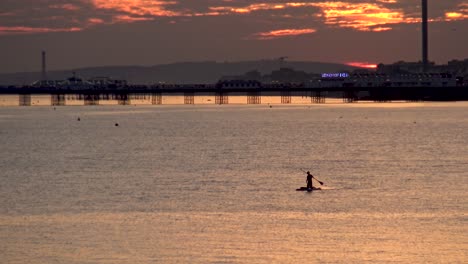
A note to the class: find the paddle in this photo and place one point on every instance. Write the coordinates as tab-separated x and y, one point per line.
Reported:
321	183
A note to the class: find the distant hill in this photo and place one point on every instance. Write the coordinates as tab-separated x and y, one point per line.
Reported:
184	72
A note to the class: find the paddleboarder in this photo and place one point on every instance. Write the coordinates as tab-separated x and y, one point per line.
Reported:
309	180
310	187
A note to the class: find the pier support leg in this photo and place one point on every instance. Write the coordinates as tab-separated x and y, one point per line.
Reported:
350	96
57	99
189	98
105	97
415	94
221	98
138	96
377	95
123	99
286	97
254	98
91	99
72	97
317	97
24	100
156	99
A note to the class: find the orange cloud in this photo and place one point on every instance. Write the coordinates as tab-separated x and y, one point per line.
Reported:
69	7
137	7
364	15
284	33
125	18
31	30
96	21
387	1
249	9
360	16
380	29
454	15
259	7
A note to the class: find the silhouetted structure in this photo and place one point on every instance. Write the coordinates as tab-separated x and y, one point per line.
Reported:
44	67
425	44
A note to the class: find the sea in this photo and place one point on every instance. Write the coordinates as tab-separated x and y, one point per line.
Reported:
217	183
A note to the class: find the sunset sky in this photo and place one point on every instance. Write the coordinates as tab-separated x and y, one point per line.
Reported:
81	33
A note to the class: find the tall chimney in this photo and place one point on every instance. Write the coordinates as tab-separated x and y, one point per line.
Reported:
425	43
44	69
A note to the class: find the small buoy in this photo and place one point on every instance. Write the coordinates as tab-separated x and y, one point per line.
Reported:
271	106
116	124
78	119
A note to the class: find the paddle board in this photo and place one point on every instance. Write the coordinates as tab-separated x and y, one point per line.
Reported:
308	189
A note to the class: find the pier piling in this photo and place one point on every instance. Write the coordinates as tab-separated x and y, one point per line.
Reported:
189	98
317	97
285	97
123	99
254	98
156	99
24	100
91	99
57	99
221	98
350	96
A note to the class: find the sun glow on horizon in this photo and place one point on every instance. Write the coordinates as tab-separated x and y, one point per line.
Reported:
365	65
460	14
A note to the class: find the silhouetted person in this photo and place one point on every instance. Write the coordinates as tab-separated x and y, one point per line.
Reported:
309	180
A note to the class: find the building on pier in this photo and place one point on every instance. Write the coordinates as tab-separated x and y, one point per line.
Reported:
384	80
78	83
229	84
103	82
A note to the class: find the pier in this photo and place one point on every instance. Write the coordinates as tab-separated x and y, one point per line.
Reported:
285	94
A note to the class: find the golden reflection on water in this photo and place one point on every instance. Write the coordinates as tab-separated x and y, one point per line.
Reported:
240	237
396	190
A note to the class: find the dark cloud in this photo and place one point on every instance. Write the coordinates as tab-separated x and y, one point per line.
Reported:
86	13
157	31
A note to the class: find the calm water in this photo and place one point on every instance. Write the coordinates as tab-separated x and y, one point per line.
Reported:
216	184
